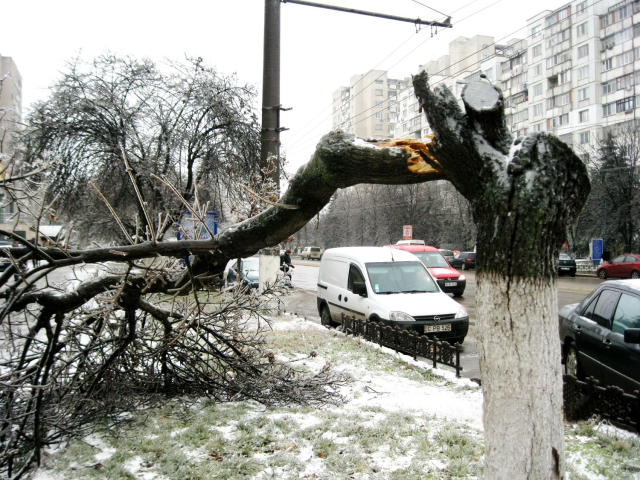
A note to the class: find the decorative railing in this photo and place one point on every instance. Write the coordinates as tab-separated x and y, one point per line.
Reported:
405	341
585	399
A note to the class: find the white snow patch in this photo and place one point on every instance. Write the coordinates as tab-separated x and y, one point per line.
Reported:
228	432
177	432
480	96
134	467
106	452
360	142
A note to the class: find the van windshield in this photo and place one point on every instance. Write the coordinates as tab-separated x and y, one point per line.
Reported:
400	277
432	259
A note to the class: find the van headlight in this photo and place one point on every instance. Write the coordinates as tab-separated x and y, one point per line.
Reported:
401	317
462	313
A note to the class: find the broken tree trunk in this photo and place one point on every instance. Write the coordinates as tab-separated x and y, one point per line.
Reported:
524	193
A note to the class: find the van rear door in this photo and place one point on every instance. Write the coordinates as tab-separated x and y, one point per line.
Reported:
332	284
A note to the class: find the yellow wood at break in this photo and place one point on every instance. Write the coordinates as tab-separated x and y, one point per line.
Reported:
416	162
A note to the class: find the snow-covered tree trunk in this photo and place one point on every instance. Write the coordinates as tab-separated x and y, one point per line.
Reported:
524	193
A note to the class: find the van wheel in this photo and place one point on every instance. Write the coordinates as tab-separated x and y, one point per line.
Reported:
571	362
325	317
464	266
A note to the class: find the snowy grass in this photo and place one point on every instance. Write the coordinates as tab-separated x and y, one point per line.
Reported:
402	420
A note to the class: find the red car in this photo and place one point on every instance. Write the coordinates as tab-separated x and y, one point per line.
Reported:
623	266
449	279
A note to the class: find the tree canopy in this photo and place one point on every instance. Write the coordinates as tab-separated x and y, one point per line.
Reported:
182	121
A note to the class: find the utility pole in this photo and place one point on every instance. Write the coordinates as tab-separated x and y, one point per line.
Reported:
271	90
271	74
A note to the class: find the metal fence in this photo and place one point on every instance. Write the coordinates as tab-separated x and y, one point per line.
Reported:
405	341
585	399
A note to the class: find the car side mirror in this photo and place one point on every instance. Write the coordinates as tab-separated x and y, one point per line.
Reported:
632	335
359	288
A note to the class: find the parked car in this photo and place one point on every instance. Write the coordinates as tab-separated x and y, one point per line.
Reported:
448	278
464	260
410	242
566	264
311	253
249	272
447	254
626	265
389	286
600	336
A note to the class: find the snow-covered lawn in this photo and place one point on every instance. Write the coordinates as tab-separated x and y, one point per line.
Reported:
402	420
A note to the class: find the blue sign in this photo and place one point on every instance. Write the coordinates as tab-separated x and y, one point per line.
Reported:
597	248
192	229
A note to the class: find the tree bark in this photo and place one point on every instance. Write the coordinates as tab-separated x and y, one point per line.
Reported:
524	194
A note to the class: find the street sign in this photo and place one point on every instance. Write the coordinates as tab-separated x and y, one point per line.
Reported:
597	248
407	232
192	229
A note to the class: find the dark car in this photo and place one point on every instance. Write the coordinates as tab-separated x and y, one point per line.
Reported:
600	336
4	255
464	260
626	265
566	264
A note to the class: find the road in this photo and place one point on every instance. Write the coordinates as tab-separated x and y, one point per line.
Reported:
303	303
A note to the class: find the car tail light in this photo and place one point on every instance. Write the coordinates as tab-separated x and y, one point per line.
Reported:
468	259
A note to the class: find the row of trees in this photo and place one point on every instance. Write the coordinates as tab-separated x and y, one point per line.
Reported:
440	215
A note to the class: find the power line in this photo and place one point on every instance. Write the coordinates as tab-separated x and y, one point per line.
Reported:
430	8
410	52
361	79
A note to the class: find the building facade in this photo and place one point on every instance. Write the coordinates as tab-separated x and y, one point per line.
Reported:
10	101
574	75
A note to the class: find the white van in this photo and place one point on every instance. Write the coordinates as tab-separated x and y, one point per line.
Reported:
387	285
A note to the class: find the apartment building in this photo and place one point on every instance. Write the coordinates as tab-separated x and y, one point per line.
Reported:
574	74
368	107
10	101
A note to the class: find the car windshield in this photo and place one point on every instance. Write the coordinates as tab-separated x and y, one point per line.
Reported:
565	257
447	253
432	259
251	263
400	277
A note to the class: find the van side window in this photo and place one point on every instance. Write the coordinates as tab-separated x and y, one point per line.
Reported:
355	275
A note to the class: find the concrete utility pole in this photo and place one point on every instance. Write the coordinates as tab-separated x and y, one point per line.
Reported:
271	88
271	74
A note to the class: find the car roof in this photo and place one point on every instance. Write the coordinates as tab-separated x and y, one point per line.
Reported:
631	285
370	254
413	248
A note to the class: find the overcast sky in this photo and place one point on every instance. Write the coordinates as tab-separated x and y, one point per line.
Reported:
321	49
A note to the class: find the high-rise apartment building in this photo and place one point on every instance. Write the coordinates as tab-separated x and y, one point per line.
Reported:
574	75
10	101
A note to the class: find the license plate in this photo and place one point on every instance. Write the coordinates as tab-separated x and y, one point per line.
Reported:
450	284
564	268
445	327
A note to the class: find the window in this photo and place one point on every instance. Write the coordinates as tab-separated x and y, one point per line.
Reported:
537	70
355	275
625	104
607	64
584	138
557	17
583	94
583	72
537	127
537	51
379	82
625	58
378	126
536	31
627	314
604	308
537	89
378	104
537	110
521	116
558	100
378	92
625	81
489	74
558	58
564	77
608	109
391	94
559	121
608	87
583	116
583	51
581	7
581	29
558	37
619	37
378	114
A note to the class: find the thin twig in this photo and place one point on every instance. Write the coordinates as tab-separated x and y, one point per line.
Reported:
269	202
113	212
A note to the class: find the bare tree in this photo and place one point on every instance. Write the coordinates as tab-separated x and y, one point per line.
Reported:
183	121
